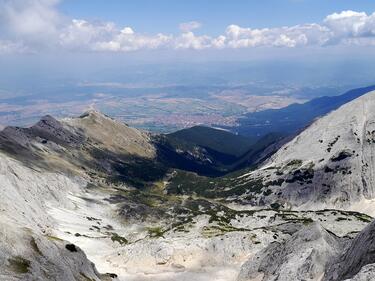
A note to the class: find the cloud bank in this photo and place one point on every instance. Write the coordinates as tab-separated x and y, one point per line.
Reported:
37	25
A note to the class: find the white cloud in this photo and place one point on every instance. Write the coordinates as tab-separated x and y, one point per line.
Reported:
30	21
350	26
81	34
300	35
189	26
219	42
132	42
127	30
37	25
189	40
7	47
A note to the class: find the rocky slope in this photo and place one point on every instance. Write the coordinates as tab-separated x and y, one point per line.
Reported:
106	188
328	165
360	254
113	135
303	256
331	163
28	249
313	253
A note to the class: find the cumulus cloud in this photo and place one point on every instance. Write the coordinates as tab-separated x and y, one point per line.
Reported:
132	42
189	26
37	25
300	35
349	27
189	40
106	36
83	34
29	21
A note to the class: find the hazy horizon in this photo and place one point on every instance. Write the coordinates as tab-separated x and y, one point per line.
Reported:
122	57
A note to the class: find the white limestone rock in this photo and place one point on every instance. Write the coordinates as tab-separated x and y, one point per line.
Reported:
301	257
330	164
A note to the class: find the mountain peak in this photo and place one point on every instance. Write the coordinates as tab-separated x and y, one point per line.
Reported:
115	135
47	121
94	113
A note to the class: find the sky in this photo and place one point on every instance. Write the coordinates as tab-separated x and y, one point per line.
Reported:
153	16
33	26
71	38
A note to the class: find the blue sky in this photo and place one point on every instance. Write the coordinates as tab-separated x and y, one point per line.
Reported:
85	38
152	16
50	26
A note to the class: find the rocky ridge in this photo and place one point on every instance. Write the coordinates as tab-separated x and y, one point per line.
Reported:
71	181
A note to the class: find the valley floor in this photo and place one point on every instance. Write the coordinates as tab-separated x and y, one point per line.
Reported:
84	224
212	246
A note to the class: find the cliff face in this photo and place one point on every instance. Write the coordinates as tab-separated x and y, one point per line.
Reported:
313	253
303	256
359	257
329	165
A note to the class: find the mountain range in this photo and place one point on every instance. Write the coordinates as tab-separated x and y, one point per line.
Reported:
90	198
293	118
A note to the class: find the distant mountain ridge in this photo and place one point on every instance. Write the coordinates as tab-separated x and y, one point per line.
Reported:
293	118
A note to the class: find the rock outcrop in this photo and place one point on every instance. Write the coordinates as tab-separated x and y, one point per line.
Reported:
26	255
301	257
359	254
28	248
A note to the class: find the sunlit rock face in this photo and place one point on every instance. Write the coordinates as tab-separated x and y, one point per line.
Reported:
303	256
357	261
328	165
28	249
